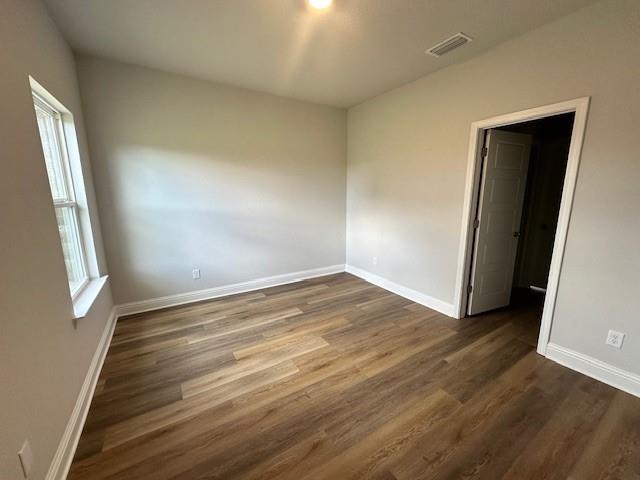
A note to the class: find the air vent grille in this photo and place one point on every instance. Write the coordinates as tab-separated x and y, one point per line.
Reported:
449	44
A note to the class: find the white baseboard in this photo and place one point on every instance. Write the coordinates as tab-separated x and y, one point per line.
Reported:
616	377
413	295
63	457
209	293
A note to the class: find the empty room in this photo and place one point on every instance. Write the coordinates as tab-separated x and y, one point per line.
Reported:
320	239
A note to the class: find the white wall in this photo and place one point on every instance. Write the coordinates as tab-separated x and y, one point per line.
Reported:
43	359
240	184
407	154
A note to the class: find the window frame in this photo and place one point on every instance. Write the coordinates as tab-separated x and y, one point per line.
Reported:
70	201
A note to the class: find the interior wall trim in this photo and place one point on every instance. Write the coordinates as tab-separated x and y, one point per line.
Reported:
580	107
210	293
594	368
59	467
406	292
61	463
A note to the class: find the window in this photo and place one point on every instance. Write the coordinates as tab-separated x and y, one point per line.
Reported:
59	171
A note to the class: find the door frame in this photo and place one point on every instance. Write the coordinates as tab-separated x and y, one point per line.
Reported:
579	106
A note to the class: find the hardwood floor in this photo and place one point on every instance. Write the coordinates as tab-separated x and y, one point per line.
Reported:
334	378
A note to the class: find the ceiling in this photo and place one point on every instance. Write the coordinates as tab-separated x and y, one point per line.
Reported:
355	50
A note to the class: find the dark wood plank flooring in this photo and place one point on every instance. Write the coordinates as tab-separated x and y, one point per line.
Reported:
334	378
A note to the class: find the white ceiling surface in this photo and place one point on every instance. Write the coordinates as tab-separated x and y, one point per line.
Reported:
355	50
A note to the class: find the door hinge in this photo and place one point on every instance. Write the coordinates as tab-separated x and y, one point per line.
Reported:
469	288
485	152
476	223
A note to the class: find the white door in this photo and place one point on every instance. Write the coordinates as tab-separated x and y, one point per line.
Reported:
504	179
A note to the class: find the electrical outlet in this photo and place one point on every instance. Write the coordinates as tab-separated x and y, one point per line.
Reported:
615	339
374	260
196	273
26	458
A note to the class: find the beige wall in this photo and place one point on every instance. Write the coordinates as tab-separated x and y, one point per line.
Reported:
240	184
246	185
407	152
43	359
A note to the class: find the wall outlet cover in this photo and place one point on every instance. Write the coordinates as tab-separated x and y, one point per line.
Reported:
615	339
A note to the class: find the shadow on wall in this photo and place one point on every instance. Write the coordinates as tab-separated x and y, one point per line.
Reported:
191	174
172	212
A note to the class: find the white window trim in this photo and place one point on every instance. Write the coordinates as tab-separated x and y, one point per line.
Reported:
85	299
70	202
84	296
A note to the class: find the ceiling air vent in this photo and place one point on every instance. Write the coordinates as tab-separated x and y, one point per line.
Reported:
449	44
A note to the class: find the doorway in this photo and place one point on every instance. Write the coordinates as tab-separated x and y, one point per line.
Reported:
520	182
523	169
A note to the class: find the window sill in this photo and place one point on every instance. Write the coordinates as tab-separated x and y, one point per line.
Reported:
83	302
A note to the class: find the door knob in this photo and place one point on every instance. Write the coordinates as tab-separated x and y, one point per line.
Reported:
516	234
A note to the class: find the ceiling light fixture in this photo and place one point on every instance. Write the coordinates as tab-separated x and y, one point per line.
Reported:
320	4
